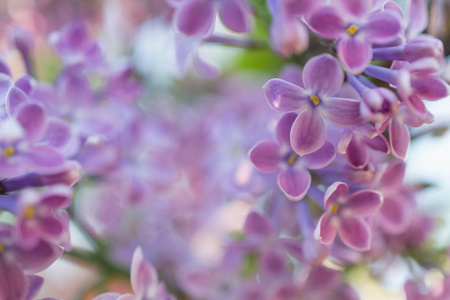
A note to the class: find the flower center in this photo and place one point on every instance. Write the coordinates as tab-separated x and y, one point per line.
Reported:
29	212
2	248
292	159
315	99
8	151
352	29
334	208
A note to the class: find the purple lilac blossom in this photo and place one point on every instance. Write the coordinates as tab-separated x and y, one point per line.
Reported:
293	179
287	33
345	216
197	17
356	27
322	77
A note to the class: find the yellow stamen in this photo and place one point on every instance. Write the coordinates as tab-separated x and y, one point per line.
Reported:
292	159
352	30
315	99
334	208
8	151
2	248
29	212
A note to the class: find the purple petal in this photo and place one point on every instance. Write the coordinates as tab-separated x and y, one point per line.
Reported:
75	91
354	8
357	154
343	112
399	137
143	274
394	215
58	197
235	14
354	53
355	233
417	17
15	98
195	17
378	143
257	225
415	105
98	159
325	231
320	158
382	27
13	282
58	133
327	22
308	133
393	176
38	258
323	75
5	84
51	228
334	192
430	88
294	183
4	69
32	117
293	74
35	283
45	159
26	84
284	96
272	263
283	129
364	203
266	156
293	248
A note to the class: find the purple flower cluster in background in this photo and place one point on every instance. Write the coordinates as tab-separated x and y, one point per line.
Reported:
221	196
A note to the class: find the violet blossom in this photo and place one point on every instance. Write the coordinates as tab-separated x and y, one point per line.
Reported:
322	77
345	216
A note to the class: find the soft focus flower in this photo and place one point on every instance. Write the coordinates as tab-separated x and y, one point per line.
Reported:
345	216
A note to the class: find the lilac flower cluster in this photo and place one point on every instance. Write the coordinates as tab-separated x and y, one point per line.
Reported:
219	196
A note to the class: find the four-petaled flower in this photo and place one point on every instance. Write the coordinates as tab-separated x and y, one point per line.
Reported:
345	215
322	77
294	179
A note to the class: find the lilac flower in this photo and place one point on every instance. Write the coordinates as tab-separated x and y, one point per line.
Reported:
414	81
345	216
288	34
293	179
15	259
144	281
41	216
196	17
358	140
381	106
18	143
73	46
397	211
69	175
322	77
356	28
420	47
